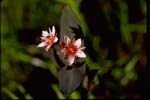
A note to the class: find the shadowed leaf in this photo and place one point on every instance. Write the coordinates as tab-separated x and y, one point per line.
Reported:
78	31
68	21
70	79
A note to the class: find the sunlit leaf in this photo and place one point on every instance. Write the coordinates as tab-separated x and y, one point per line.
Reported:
58	92
9	93
75	95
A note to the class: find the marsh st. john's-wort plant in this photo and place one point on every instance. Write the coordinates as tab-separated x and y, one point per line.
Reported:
72	50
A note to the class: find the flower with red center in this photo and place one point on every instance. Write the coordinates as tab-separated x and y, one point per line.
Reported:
48	39
72	49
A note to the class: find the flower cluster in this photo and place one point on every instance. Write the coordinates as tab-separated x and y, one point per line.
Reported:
48	38
70	48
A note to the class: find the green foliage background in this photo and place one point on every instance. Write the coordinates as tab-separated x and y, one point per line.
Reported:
29	17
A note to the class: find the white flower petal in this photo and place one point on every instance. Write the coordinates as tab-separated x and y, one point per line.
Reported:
47	48
43	38
50	31
53	30
71	60
56	39
80	54
78	43
42	44
45	33
66	40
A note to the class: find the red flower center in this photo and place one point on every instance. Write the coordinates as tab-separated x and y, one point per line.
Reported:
71	49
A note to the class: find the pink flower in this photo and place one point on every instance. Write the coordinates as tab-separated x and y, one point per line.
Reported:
72	49
48	39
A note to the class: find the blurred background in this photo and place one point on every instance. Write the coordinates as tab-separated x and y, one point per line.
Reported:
115	37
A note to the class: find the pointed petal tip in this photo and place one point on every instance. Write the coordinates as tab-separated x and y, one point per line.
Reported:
50	30
56	39
77	42
45	33
53	30
66	39
80	54
71	60
42	44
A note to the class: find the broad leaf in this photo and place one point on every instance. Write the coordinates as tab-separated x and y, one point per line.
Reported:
70	79
68	21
